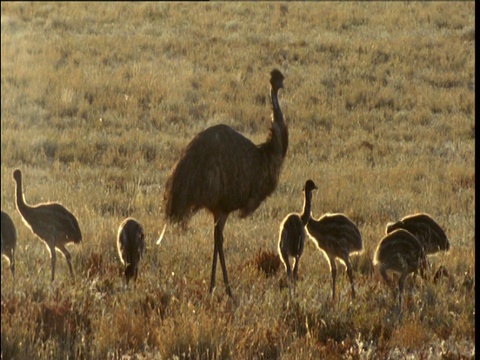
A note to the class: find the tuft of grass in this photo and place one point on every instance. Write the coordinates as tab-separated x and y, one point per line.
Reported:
267	261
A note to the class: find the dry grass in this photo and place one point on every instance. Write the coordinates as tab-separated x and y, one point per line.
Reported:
99	99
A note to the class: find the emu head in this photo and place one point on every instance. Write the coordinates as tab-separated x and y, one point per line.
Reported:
444	243
447	244
393	226
423	264
276	79
309	186
17	175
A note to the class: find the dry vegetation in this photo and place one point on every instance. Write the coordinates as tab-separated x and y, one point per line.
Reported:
99	99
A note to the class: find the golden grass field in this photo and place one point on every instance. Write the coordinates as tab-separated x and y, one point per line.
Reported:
98	100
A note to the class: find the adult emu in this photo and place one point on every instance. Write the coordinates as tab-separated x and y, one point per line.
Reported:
223	171
130	246
292	233
426	230
9	240
51	222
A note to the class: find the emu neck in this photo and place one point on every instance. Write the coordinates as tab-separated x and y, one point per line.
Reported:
20	200
277	142
305	216
277	112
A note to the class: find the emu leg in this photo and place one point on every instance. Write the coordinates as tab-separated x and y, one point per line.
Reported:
350	274
68	257
333	268
288	270
12	262
220	221
401	282
295	268
295	273
383	272
53	258
214	262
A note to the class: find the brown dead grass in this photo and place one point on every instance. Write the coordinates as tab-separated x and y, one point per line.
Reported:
98	101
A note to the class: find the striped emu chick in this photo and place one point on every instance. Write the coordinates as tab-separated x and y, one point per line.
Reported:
51	222
9	240
292	232
222	171
338	237
425	229
399	251
130	245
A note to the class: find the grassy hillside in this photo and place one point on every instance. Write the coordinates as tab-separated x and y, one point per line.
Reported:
97	102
